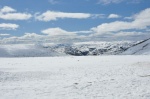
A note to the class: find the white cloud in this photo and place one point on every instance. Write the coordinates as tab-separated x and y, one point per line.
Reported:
52	15
141	21
56	35
60	36
15	16
105	2
8	26
4	34
30	36
8	13
7	9
26	38
86	32
128	18
111	27
114	16
53	1
132	33
57	32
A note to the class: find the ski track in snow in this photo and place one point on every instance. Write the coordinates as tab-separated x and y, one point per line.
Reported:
90	77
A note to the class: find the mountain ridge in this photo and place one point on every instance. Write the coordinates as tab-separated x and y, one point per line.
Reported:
76	49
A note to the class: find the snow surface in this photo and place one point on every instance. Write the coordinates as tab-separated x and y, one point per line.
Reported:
139	49
90	77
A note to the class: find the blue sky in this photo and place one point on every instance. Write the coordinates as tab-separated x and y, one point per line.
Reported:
73	19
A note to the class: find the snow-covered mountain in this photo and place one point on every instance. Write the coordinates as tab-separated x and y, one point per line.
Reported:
75	49
140	48
97	48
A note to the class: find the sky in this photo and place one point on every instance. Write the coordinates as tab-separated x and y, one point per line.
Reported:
74	20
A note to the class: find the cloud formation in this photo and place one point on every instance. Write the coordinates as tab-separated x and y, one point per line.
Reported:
8	26
141	21
8	13
111	16
132	33
53	1
106	2
60	32
54	15
30	36
139	26
57	32
4	34
7	9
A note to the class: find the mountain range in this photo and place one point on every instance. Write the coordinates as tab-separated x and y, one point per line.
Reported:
76	49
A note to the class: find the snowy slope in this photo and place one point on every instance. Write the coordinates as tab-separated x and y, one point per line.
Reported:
141	48
94	77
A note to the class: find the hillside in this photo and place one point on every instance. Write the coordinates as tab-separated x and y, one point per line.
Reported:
141	48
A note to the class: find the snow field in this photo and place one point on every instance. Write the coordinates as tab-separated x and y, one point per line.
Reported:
90	77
